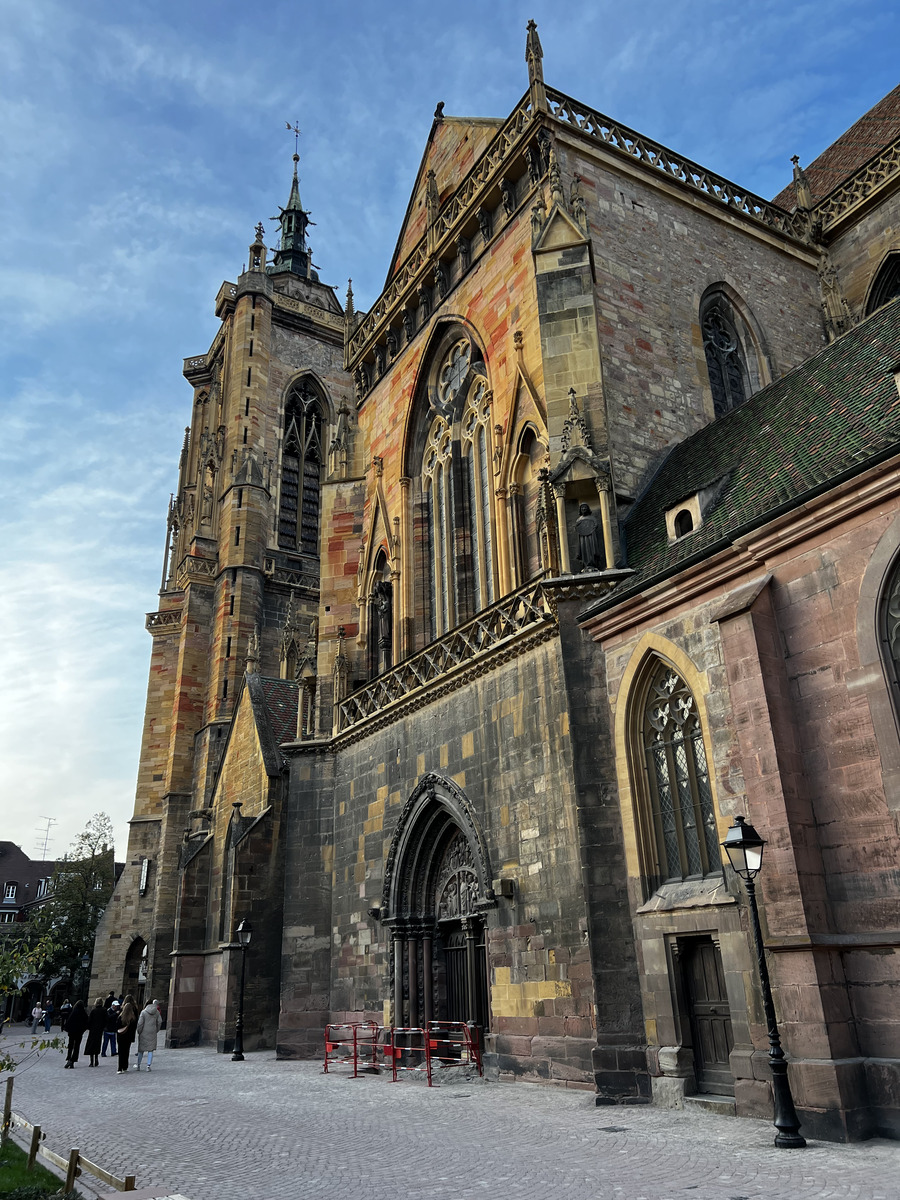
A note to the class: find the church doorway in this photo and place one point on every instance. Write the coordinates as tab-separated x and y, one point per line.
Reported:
436	897
134	977
710	1016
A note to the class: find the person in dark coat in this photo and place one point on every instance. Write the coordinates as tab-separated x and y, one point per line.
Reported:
96	1027
109	1032
64	1010
126	1032
78	1023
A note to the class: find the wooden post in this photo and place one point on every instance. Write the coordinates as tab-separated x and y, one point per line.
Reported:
129	1183
7	1111
72	1171
34	1147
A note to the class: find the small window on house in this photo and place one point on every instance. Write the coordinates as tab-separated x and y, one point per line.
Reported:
42	886
7	918
684	523
9	891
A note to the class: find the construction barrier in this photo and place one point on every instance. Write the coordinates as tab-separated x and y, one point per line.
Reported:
405	1050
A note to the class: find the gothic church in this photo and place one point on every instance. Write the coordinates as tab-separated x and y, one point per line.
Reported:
486	610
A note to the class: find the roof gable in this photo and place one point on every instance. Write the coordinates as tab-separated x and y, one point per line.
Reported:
454	144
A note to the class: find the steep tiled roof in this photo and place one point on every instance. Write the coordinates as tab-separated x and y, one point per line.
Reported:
834	414
281	705
878	128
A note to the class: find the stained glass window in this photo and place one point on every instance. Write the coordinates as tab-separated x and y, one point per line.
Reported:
681	801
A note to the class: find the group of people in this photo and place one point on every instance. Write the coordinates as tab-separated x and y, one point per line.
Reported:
113	1025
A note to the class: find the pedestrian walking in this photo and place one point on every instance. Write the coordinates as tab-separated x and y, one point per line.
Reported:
65	1010
48	1016
126	1031
109	1030
147	1032
37	1015
78	1023
96	1030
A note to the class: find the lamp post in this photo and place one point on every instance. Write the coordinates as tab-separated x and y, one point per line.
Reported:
244	930
85	981
744	848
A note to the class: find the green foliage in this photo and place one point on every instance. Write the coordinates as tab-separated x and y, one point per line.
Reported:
21	957
16	1183
78	894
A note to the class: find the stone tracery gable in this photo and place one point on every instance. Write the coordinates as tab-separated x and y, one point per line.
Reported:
465	868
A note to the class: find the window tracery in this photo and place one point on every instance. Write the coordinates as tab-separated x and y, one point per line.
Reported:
301	466
477	459
681	803
437	484
724	358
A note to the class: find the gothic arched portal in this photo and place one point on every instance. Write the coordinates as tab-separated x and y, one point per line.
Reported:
437	889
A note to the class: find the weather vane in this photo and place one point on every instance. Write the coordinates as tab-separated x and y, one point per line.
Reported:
295	130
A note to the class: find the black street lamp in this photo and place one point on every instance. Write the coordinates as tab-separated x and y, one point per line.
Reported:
744	848
244	930
85	980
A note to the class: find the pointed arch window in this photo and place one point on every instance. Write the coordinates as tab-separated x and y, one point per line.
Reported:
477	464
725	362
886	286
681	803
301	469
889	633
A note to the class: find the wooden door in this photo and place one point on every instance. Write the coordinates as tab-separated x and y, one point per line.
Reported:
710	1016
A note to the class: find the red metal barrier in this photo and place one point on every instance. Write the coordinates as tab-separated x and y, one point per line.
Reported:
340	1046
452	1044
409	1053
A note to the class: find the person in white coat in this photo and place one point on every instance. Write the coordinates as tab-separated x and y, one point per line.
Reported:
147	1032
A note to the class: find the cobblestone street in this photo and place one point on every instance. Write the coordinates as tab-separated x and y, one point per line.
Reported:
212	1129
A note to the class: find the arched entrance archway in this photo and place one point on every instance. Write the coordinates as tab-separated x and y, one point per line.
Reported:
134	976
437	891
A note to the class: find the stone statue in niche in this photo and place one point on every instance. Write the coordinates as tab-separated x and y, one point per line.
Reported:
383	606
589	532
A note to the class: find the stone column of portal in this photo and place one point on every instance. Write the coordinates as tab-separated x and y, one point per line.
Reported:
398	978
412	948
426	977
565	562
503	541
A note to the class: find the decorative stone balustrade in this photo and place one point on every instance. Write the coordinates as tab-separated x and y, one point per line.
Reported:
162	622
506	629
858	187
644	150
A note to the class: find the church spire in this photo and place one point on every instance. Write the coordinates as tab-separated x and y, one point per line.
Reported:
293	254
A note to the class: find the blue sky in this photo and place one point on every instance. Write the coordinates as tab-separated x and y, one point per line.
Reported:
141	143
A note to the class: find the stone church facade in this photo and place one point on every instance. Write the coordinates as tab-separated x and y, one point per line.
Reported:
485	611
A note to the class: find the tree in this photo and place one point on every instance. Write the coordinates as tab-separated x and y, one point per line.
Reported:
78	894
20	958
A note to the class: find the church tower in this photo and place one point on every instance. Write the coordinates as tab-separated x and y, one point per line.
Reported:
239	593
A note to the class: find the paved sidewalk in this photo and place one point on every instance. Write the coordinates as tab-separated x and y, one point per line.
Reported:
212	1129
